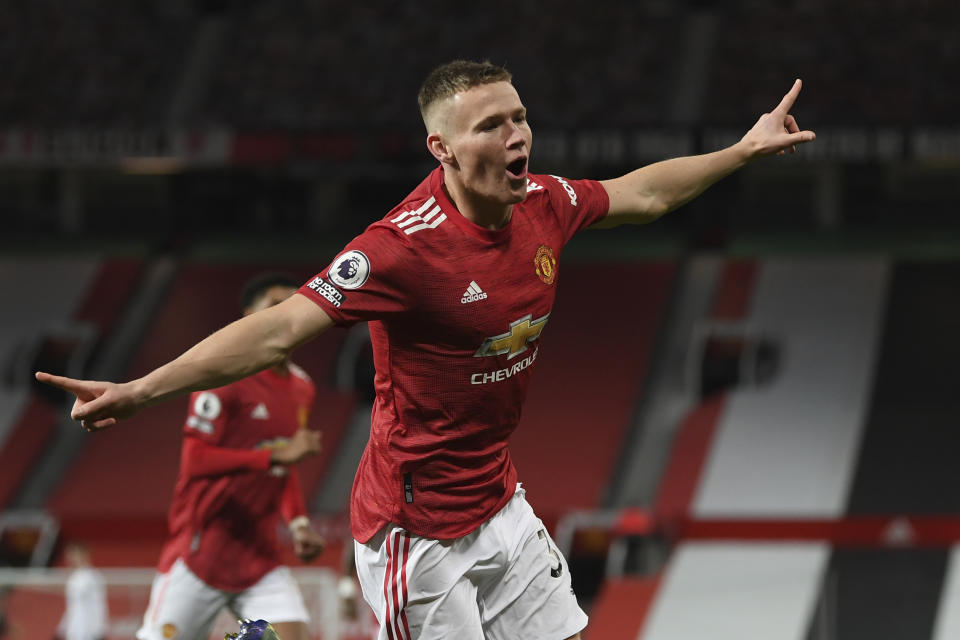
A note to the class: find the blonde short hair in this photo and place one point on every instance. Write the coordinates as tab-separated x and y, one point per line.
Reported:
453	77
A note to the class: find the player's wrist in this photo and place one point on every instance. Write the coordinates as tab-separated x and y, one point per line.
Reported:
141	391
743	151
281	455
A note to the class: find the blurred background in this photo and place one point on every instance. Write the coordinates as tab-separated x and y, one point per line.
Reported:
754	438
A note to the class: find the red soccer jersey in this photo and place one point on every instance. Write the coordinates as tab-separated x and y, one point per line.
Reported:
455	315
228	499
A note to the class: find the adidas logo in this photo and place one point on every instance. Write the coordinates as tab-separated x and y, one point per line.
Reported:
473	293
260	412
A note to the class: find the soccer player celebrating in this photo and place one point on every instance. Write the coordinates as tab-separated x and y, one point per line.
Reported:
457	283
236	481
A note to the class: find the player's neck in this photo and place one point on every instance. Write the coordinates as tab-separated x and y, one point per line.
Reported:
480	211
282	369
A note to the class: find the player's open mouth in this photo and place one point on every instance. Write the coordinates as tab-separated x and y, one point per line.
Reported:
518	168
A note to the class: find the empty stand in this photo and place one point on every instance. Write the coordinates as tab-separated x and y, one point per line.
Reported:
884	594
621	608
855	64
947	624
283	77
788	448
589	375
53	296
730	591
85	62
907	461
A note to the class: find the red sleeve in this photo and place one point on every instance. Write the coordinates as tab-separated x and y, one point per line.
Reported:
208	414
202	459
291	502
578	203
375	276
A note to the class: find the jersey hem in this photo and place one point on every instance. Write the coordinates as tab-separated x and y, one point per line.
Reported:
223	586
445	533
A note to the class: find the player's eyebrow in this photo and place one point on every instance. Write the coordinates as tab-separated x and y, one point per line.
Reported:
496	118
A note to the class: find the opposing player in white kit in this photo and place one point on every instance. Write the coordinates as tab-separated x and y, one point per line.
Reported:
457	283
237	479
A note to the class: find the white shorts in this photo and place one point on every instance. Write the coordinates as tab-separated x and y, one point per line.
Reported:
503	581
183	606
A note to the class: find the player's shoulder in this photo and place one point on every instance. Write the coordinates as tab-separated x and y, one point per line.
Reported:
537	185
552	186
419	217
298	371
543	193
404	239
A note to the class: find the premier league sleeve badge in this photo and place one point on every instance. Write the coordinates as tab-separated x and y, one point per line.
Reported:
350	270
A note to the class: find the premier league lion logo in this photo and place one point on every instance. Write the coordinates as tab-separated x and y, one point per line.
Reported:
350	271
347	269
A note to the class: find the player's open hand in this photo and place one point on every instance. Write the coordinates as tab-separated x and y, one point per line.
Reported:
98	405
304	443
307	542
777	132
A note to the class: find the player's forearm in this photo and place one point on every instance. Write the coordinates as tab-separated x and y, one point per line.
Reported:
647	193
238	350
679	180
201	459
292	505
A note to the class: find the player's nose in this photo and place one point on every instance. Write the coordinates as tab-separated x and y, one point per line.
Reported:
515	138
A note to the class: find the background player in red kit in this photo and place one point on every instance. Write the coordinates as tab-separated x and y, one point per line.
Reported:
457	283
236	481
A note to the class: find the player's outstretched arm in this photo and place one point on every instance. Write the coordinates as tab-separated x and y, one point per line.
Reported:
246	346
649	192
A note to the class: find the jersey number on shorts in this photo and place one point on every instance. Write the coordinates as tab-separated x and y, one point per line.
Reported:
557	570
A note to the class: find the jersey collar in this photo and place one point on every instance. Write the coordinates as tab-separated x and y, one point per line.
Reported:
492	236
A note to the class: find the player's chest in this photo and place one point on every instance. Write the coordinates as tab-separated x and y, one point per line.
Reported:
262	414
501	293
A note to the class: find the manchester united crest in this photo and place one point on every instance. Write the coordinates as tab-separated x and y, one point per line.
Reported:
545	264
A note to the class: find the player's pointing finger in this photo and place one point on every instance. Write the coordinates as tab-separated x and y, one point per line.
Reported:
790	97
76	387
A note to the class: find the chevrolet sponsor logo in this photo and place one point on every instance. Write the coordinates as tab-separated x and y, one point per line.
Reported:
514	342
506	373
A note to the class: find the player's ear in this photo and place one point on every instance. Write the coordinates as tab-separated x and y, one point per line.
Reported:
439	149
